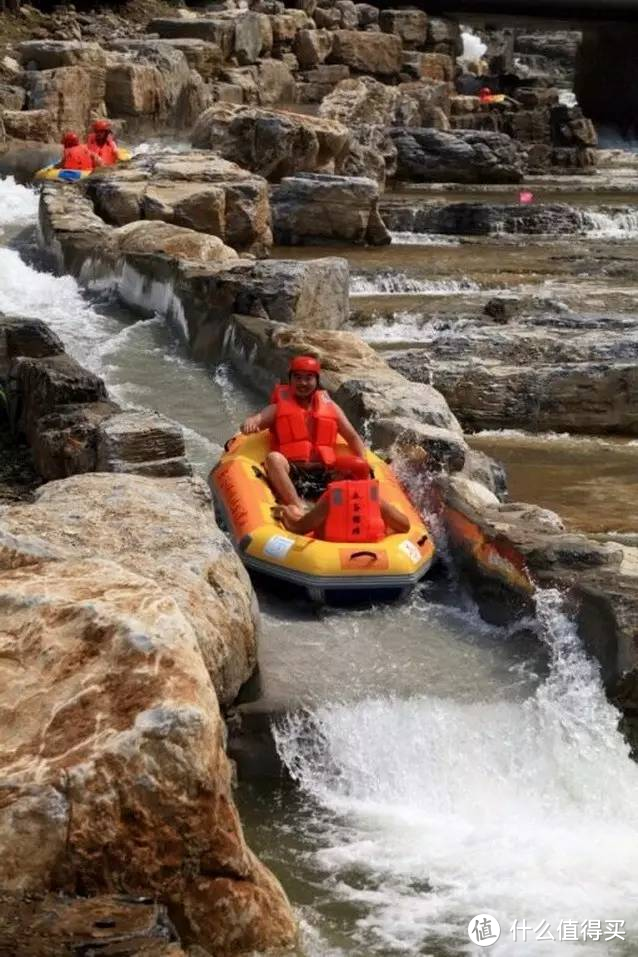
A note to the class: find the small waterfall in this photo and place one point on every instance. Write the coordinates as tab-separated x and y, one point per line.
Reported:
398	283
422	239
431	810
616	224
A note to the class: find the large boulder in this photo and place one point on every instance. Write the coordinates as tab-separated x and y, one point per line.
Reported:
130	616
39	126
194	190
152	87
51	54
201	55
274	144
312	47
411	26
433	156
314	207
376	53
253	37
70	94
216	29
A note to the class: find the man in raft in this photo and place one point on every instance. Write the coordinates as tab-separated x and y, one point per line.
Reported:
304	424
101	143
77	156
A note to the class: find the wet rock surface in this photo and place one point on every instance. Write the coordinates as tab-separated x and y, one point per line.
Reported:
541	372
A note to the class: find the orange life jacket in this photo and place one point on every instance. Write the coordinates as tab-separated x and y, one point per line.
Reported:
107	151
354	513
77	157
305	435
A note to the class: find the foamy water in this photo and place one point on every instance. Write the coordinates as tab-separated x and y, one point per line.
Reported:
397	283
431	810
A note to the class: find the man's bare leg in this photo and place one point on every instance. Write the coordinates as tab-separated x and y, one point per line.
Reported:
278	471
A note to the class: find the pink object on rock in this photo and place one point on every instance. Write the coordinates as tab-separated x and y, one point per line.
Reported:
526	197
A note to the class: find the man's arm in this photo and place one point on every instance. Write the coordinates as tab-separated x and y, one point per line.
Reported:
352	437
394	518
263	420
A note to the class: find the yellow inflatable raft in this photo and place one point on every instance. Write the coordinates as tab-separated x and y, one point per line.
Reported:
52	173
244	501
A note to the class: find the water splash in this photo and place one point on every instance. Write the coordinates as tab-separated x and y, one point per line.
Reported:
18	204
430	810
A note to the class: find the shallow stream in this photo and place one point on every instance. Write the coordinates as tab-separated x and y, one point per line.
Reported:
443	768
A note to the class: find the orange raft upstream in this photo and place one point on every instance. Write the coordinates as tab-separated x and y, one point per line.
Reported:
245	500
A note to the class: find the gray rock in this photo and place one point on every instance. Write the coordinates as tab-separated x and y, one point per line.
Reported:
411	26
462	157
141	442
311	208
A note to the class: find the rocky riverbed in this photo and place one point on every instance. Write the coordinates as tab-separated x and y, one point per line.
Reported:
327	181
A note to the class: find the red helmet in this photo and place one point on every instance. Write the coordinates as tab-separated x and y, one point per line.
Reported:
304	364
102	126
69	140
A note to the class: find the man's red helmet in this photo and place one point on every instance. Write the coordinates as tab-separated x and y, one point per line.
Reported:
69	140
102	126
305	364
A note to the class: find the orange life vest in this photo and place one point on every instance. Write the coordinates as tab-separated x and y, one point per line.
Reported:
354	513
107	151
305	435
77	157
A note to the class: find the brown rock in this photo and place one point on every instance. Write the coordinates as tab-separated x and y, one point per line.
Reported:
172	240
35	125
51	54
69	94
201	55
411	26
192	190
142	442
274	144
218	29
115	747
312	47
253	37
436	66
377	53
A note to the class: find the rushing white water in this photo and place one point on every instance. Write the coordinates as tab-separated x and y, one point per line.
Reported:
431	810
18	205
617	224
473	47
422	239
398	283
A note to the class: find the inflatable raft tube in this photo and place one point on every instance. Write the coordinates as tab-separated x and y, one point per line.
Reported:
52	174
244	502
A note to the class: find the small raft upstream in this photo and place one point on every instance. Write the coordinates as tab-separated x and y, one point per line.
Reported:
53	174
381	569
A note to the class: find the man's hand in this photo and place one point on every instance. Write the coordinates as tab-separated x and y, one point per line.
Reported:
252	425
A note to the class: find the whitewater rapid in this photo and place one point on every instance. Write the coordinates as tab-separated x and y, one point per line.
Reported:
432	810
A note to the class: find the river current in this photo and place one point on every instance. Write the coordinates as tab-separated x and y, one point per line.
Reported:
443	769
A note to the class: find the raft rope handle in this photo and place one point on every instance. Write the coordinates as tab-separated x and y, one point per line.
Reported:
372	555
